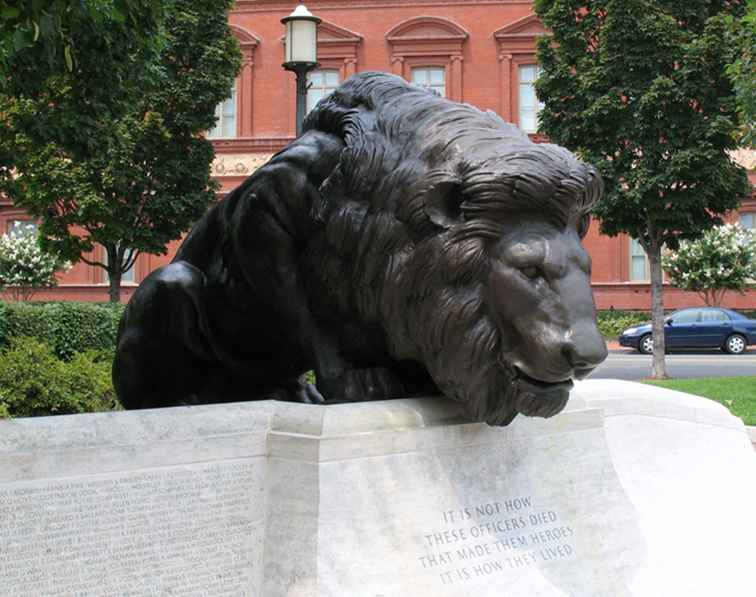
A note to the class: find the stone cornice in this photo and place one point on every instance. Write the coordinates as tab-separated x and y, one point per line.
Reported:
250	145
285	6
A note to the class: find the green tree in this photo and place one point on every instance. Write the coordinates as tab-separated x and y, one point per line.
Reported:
130	182
743	71
723	259
638	88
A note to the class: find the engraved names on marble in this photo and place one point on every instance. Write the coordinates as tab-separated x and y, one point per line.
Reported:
185	530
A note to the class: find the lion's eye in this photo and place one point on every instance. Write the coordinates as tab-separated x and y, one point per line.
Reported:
531	272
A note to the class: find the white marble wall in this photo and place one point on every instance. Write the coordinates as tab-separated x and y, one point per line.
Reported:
633	490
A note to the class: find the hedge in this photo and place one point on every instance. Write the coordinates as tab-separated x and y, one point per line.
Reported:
611	323
68	328
34	382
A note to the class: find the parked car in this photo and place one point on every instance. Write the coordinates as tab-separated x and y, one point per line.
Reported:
703	327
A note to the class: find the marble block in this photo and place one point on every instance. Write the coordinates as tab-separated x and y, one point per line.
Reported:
633	490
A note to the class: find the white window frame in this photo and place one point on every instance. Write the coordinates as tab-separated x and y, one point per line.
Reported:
525	113
14	225
317	90
422	75
226	110
128	277
634	255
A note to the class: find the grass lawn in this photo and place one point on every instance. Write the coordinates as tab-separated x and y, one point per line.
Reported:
736	393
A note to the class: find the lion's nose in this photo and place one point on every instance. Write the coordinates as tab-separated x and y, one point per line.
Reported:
585	353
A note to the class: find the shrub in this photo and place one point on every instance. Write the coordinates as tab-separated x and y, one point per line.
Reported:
611	323
722	259
34	382
68	328
24	266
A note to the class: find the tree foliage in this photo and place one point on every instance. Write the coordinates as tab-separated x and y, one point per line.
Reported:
723	259
639	89
40	38
129	181
743	71
25	267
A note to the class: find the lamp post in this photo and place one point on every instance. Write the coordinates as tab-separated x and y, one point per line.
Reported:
301	52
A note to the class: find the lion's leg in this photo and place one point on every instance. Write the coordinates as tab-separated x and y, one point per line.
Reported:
161	354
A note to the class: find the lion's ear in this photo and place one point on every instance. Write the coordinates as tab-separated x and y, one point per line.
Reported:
443	202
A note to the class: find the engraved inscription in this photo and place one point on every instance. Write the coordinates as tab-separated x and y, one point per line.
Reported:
494	537
179	531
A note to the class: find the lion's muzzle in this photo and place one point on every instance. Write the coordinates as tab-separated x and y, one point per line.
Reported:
535	398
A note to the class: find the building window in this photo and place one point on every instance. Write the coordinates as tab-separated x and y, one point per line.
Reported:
748	220
639	269
321	83
529	105
127	277
429	51
18	227
225	114
433	78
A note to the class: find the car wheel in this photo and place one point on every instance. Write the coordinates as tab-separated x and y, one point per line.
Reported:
735	344
646	344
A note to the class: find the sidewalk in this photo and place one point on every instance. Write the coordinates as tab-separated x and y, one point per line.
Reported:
613	345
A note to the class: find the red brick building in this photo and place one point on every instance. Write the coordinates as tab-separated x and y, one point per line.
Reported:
477	51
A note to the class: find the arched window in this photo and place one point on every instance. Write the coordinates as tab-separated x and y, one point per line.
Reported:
429	51
519	69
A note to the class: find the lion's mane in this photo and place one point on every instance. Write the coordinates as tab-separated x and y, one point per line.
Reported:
410	212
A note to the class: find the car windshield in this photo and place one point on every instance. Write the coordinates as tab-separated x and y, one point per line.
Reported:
735	314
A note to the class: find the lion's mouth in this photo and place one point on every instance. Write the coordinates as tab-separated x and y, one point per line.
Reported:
539	384
540	398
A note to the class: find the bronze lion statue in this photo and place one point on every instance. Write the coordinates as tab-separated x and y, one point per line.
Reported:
403	245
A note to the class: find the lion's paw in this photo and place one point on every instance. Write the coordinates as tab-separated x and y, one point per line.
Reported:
302	391
357	385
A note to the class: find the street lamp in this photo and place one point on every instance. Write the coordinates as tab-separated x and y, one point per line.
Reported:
301	52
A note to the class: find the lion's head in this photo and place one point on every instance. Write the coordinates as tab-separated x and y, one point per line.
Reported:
460	238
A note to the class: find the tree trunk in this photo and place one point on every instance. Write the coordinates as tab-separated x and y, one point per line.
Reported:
659	370
114	286
114	273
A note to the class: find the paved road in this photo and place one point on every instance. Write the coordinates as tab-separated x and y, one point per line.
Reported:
633	366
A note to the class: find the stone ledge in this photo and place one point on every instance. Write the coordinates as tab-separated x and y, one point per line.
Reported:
751	431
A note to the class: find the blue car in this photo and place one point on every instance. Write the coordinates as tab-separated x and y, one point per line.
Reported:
703	327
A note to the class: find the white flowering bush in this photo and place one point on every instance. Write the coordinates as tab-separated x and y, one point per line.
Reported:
24	266
723	259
